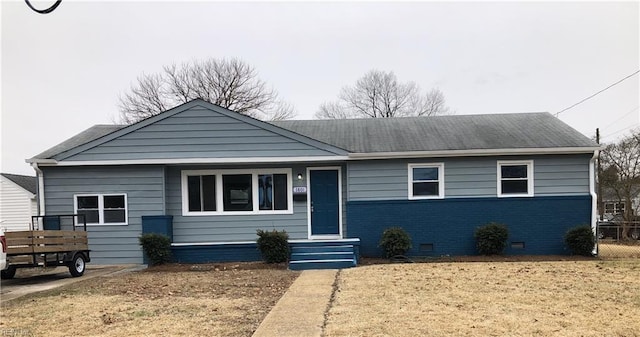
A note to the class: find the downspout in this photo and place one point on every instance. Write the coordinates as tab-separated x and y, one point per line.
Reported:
594	198
40	175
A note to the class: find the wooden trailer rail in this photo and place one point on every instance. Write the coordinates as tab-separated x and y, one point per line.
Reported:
45	241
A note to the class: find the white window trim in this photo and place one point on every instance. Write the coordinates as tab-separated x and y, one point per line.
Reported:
440	167
219	191
101	209
529	163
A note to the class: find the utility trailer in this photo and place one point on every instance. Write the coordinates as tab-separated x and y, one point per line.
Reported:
50	246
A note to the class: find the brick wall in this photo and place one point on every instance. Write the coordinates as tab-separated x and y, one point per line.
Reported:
448	224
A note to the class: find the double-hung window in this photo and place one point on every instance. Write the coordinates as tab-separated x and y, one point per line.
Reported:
202	193
515	178
272	192
426	181
101	209
212	192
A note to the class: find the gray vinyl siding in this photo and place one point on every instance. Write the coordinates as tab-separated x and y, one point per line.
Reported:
237	228
554	175
198	133
143	186
229	228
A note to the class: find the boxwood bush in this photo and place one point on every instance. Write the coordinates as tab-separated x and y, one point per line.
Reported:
273	245
580	240
395	241
157	247
491	239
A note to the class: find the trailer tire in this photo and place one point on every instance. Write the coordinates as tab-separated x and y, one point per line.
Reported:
77	265
8	273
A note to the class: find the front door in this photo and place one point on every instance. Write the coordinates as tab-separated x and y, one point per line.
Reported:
325	203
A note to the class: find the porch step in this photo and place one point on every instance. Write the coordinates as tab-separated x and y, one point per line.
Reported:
333	254
322	264
321	248
321	256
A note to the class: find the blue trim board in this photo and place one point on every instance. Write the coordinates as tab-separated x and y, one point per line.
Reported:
446	226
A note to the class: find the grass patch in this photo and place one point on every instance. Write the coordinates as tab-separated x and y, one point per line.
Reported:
223	300
562	298
619	250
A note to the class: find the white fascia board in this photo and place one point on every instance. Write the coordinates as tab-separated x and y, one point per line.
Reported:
175	161
40	161
473	153
350	156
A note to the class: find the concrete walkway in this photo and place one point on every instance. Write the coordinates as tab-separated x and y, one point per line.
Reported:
301	310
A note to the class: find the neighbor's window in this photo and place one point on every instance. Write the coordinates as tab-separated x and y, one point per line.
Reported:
102	209
515	178
614	208
426	181
209	192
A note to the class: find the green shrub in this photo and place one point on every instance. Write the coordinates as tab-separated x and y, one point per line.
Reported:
274	246
395	241
157	247
580	240
491	239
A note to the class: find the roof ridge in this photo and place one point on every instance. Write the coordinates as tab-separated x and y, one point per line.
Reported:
413	117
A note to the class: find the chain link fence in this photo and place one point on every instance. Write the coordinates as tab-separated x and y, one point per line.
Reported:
618	239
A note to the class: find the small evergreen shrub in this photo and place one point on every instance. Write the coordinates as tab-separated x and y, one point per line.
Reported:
157	247
395	241
491	239
273	245
580	240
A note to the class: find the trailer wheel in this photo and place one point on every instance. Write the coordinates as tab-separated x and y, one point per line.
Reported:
77	265
8	273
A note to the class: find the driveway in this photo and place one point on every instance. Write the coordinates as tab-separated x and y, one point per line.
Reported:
33	280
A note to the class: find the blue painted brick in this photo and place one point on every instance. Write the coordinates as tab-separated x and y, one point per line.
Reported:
242	252
449	224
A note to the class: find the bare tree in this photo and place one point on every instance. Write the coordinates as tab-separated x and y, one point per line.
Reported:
229	83
378	94
621	173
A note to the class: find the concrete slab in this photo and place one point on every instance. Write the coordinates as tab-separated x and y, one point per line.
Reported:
301	310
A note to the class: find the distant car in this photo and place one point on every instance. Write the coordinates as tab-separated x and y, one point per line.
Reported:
3	254
612	228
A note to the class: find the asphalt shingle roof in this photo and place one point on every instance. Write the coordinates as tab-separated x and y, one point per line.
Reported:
407	134
83	137
438	133
28	183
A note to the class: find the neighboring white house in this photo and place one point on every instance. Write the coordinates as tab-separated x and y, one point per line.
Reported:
612	205
18	201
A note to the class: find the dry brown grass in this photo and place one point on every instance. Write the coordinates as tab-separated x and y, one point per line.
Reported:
616	250
223	300
563	298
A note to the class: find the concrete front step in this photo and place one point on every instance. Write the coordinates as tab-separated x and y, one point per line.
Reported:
322	264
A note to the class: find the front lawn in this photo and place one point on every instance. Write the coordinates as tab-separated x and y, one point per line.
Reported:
561	298
175	300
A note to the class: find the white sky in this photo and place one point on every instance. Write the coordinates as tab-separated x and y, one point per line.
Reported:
62	72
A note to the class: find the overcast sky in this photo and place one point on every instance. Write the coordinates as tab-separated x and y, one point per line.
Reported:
62	72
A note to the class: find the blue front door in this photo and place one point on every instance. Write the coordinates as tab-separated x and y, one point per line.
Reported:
325	203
